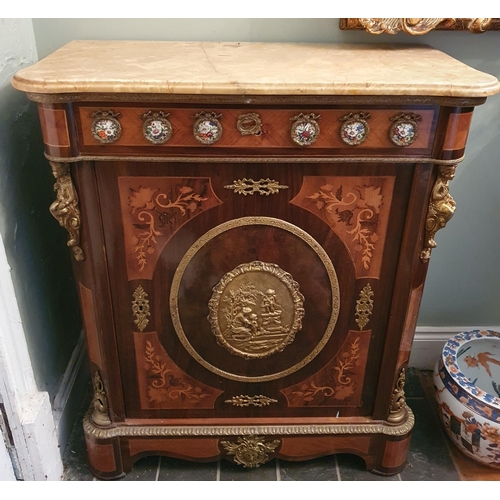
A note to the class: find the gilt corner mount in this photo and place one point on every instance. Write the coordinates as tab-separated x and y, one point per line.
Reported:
419	26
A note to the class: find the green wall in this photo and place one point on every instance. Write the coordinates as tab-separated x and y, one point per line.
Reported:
462	287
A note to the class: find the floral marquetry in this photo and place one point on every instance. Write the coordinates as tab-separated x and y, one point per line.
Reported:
305	129
207	129
156	128
357	209
162	384
153	213
355	128
339	383
404	130
106	128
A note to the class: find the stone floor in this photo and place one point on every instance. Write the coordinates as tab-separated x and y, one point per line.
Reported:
432	457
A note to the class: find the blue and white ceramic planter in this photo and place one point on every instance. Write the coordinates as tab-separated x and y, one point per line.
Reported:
467	384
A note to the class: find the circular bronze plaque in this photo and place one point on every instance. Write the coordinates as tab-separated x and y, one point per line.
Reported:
255	310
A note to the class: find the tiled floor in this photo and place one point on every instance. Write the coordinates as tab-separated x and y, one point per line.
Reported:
431	457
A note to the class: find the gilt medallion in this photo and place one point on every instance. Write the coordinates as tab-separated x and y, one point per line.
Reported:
255	310
257	314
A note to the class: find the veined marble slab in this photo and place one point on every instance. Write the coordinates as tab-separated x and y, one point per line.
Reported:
253	68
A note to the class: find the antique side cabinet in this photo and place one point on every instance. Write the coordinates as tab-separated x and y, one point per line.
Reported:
251	226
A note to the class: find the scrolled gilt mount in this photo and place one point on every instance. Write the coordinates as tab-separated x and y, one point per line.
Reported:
398	411
249	124
441	209
243	400
262	186
251	451
100	413
65	209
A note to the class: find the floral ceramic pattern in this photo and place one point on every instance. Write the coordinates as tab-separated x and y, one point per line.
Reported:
355	129
305	129
469	399
452	350
106	129
404	131
157	129
207	128
472	426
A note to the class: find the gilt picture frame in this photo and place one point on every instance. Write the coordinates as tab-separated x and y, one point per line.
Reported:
419	26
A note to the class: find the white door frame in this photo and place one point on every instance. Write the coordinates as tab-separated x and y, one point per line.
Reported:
27	409
6	466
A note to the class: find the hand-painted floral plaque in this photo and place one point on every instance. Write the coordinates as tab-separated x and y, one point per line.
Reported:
404	130
106	128
255	310
156	128
355	128
207	129
305	129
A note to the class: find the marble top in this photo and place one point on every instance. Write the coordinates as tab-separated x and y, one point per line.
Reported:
252	69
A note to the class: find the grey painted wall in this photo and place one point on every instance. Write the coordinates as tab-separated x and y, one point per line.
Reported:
34	242
462	287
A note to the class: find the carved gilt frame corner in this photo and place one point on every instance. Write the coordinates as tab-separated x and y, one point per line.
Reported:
419	26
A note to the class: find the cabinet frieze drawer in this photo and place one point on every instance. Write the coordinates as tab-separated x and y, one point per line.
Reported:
391	130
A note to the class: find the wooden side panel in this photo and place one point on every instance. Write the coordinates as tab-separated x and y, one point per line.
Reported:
89	319
410	325
54	126
55	129
197	449
457	131
395	453
102	457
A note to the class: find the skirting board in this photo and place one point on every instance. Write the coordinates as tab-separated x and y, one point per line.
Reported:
429	341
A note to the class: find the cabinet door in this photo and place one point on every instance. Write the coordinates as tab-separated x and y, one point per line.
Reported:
252	290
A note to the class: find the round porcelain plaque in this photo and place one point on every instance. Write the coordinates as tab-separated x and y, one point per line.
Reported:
207	129
404	131
305	129
105	127
157	129
355	128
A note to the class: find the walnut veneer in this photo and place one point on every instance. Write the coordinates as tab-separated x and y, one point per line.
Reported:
255	295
